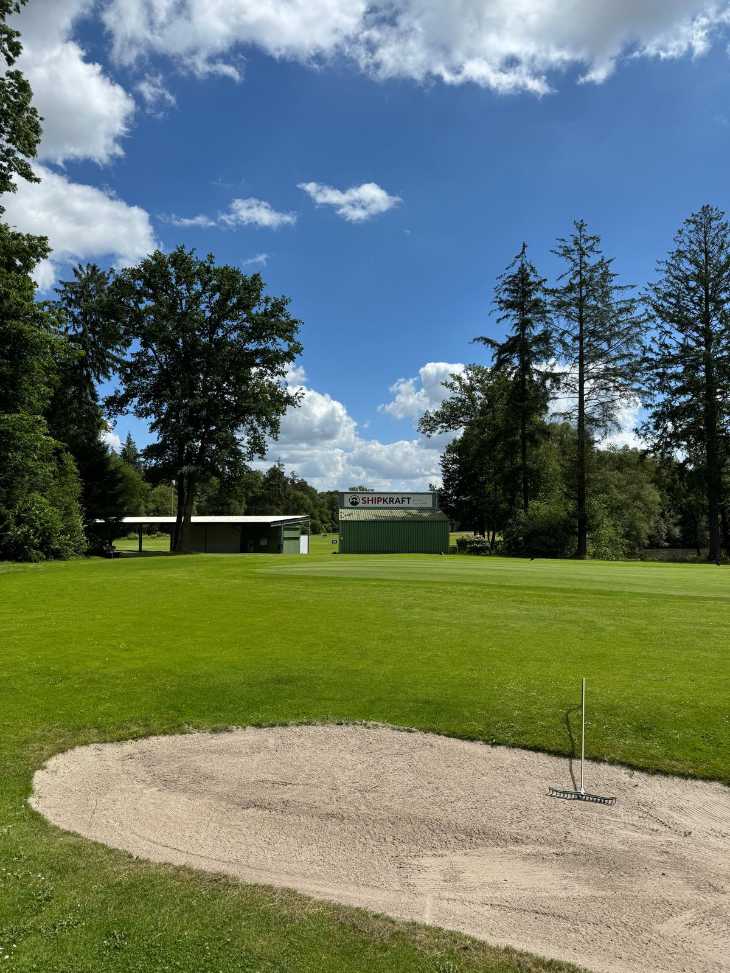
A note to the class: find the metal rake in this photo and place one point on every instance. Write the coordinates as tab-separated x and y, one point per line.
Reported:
581	794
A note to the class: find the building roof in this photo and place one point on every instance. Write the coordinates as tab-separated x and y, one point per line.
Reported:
222	519
377	513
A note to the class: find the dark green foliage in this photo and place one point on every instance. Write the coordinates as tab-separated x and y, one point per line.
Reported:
270	492
687	358
130	454
597	334
39	493
30	346
480	468
20	124
524	357
207	369
626	505
89	322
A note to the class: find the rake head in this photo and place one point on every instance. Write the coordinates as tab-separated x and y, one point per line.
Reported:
566	795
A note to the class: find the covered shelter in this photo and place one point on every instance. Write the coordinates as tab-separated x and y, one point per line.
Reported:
238	534
373	530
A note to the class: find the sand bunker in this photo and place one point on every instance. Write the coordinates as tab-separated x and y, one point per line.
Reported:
422	827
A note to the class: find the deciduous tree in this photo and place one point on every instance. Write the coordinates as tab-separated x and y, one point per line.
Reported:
207	369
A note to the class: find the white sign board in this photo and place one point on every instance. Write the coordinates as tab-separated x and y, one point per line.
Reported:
388	501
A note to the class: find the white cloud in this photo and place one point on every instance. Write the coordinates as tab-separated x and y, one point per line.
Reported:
155	95
323	443
414	396
81	222
85	113
356	204
241	212
506	45
186	221
318	420
112	440
199	34
255	212
260	260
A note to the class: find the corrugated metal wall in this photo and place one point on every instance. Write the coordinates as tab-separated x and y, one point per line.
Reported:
394	537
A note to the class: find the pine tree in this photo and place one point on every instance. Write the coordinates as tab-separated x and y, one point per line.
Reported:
687	359
130	454
89	322
597	337
524	356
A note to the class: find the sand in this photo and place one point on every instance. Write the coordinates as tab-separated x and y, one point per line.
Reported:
417	826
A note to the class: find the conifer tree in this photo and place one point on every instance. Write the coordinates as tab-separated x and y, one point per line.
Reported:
597	336
522	302
687	358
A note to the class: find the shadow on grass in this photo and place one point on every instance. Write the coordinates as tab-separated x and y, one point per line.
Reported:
573	755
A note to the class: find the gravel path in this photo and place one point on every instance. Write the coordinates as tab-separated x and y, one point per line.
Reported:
456	834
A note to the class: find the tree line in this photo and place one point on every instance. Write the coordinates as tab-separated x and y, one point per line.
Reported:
200	352
526	468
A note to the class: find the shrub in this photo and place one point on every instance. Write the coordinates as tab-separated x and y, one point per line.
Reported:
40	516
547	530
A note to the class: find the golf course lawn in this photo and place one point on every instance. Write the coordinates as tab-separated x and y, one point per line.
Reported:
484	648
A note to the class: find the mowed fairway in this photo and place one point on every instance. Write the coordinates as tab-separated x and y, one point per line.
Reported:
486	649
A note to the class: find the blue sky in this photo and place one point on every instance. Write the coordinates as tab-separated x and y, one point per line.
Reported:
474	135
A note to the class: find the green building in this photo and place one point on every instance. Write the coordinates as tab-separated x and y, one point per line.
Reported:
371	530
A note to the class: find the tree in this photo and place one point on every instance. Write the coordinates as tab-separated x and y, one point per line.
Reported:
130	454
597	337
39	489
208	368
522	302
480	485
39	493
687	358
89	323
20	123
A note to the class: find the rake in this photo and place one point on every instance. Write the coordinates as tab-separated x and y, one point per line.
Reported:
581	794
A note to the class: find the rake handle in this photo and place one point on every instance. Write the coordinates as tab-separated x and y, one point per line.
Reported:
583	731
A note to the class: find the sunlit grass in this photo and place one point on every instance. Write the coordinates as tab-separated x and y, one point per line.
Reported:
485	648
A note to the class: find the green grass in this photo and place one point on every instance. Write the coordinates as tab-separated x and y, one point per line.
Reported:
483	648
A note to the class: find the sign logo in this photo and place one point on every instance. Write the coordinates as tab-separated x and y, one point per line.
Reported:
389	501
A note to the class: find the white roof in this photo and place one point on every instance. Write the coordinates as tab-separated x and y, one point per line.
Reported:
220	519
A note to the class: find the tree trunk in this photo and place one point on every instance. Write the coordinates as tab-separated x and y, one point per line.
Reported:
581	551
713	460
714	495
185	502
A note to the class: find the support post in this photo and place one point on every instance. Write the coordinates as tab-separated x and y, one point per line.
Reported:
139	537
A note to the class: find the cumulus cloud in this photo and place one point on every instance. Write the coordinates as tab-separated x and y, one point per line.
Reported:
81	222
414	396
505	45
86	114
322	442
356	204
255	212
241	212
